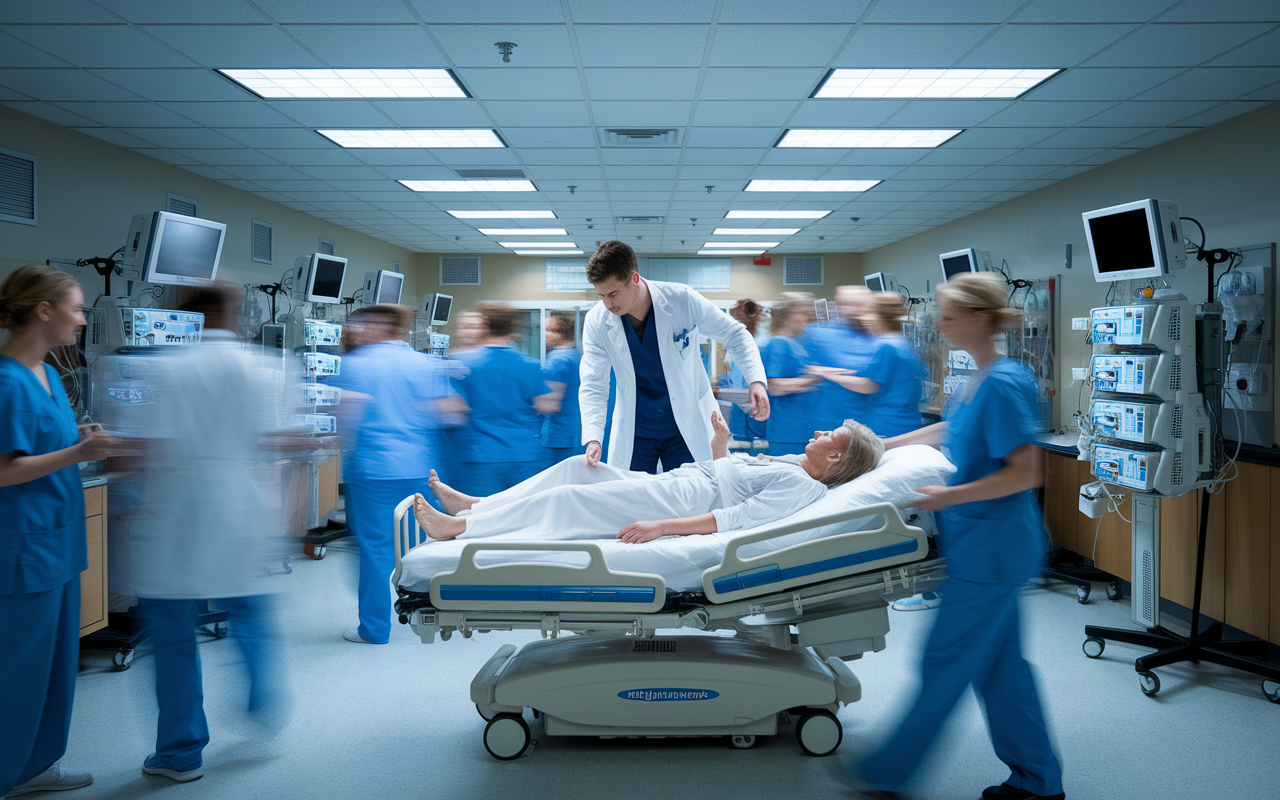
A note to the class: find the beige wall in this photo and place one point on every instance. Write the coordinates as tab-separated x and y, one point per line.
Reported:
88	191
1226	176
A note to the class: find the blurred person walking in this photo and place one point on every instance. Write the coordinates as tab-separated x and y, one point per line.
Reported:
793	395
562	430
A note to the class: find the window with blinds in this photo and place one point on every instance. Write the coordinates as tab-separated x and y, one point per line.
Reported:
567	275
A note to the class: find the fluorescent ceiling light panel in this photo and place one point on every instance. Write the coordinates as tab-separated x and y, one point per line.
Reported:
416	139
548	252
538	244
470	186
776	214
932	83
729	252
754	231
503	214
741	244
810	186
865	138
347	83
524	231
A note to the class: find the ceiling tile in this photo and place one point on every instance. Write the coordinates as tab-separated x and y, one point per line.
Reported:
14	53
1093	11
1049	156
563	174
1101	83
631	83
490	11
1107	156
698	172
1217	11
332	113
733	137
1158	137
945	113
537	45
249	114
176	84
530	113
844	113
781	172
225	157
246	46
934	11
777	45
1179	45
369	46
900	156
259	138
743	113
1137	113
782	156
336	11
127	115
1093	137
1258	53
1062	173
99	45
959	155
167	156
244	186
1029	46
999	137
62	84
52	114
910	45
1214	83
309	157
937	171
715	156
643	114
1059	114
263	172
212	173
1011	171
174	138
342	173
55	11
552	156
524	84
118	138
189	11
1220	113
641	155
641	45
431	113
473	158
551	138
757	83
639	173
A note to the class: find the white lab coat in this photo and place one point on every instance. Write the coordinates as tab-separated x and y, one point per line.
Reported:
681	316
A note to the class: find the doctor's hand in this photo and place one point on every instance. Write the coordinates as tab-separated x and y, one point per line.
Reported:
638	532
593	454
759	401
935	498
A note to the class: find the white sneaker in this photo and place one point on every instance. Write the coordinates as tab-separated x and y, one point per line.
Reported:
918	602
353	635
154	766
54	779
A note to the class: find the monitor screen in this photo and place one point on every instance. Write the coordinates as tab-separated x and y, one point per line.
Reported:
186	249
388	289
955	264
440	314
875	283
326	278
1121	242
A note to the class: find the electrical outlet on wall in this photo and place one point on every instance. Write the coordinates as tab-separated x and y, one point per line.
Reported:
1079	373
1079	323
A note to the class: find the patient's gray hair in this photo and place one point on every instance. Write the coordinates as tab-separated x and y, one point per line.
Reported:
862	455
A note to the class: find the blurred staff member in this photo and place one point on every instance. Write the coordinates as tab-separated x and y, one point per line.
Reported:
506	393
647	332
206	531
792	394
391	401
42	540
893	377
992	534
562	430
743	427
844	345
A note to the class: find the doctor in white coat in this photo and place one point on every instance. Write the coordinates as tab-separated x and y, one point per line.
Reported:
647	332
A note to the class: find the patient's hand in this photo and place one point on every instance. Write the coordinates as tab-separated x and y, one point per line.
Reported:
646	531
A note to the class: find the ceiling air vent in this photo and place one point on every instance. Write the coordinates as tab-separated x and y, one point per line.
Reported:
261	241
491	174
17	187
802	271
640	137
639	220
459	270
183	205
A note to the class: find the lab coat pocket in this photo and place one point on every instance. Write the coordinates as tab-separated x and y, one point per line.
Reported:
685	340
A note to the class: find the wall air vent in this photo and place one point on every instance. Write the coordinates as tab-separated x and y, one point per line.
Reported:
183	205
491	174
17	187
639	220
261	242
802	271
459	270
326	247
640	137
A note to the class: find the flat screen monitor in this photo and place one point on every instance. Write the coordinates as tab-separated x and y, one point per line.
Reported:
383	286
881	282
960	261
175	249
319	278
440	309
1142	239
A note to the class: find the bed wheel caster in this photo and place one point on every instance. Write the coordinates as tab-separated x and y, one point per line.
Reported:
315	551
1272	693
742	741
1082	594
1093	646
1113	591
1149	682
122	660
506	737
819	733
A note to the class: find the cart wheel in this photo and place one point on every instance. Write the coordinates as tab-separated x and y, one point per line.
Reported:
1150	683
1273	693
742	741
484	717
123	659
506	737
1113	592
819	733
1082	594
1093	646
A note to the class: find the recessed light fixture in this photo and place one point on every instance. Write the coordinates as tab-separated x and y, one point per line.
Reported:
754	231
730	252
753	214
503	214
414	138
347	83
538	244
932	83
548	252
741	244
470	186
864	138
810	186
524	231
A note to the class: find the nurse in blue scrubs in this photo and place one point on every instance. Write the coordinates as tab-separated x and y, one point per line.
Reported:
992	534
842	348
792	394
42	540
562	430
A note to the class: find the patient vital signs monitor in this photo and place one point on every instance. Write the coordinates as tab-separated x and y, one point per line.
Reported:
383	286
1142	239
174	249
318	278
961	261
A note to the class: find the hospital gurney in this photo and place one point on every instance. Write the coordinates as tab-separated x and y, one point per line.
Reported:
622	679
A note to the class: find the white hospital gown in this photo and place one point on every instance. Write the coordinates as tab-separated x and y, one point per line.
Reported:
574	501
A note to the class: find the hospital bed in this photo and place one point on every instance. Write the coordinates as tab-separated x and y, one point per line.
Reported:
797	597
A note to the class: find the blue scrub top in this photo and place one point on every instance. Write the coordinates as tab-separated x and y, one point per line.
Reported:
1000	540
654	418
845	347
42	540
563	429
895	409
499	387
792	417
392	440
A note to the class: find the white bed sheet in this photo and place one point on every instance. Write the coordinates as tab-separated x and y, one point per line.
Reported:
681	560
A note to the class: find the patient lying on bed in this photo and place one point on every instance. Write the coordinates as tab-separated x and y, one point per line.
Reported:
574	501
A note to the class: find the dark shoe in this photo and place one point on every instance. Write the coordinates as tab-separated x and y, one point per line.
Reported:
1006	792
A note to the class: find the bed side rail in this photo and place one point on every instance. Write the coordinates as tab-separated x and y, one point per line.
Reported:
834	556
544	586
407	534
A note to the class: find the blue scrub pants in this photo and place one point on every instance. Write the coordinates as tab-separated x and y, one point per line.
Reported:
371	510
40	643
975	640
786	448
492	477
646	453
182	732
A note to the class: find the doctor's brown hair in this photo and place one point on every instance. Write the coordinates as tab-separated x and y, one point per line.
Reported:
28	287
861	456
612	259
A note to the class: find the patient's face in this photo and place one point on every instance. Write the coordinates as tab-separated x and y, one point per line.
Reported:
825	444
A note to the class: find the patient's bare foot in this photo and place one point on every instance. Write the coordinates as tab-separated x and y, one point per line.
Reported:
449	497
436	525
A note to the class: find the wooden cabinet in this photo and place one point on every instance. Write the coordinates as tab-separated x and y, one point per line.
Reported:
93	581
327	496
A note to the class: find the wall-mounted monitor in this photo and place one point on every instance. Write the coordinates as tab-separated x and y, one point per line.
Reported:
881	282
174	249
960	261
383	286
318	278
436	308
1142	239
